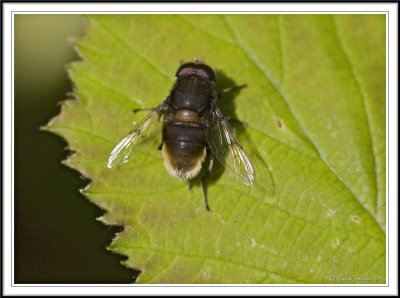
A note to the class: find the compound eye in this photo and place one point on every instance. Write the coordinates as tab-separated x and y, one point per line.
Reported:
201	70
188	70
205	73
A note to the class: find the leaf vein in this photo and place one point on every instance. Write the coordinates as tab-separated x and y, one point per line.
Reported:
229	188
213	258
164	268
367	116
129	46
80	131
126	98
211	34
323	159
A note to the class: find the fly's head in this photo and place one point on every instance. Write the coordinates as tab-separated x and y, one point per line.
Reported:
196	69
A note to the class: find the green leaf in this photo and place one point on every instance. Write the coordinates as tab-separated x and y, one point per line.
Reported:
315	114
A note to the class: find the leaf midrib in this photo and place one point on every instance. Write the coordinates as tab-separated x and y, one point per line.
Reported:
367	116
177	254
310	141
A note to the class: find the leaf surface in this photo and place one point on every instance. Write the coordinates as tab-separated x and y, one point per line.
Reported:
315	112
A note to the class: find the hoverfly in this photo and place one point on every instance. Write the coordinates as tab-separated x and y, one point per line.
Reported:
194	130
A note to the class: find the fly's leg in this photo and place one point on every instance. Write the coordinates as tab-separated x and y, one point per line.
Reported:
190	186
203	181
210	166
230	89
236	121
162	106
141	110
203	187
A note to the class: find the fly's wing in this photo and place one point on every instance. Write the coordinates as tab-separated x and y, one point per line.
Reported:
142	131
227	149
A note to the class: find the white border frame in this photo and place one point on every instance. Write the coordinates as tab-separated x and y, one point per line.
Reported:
9	11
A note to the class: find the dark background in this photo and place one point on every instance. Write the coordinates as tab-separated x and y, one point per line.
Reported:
57	236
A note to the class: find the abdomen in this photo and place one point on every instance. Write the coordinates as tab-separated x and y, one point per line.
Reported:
184	145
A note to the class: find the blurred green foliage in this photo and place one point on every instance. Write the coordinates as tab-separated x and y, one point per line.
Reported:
57	239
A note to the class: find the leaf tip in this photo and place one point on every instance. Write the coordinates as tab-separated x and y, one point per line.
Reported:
44	127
